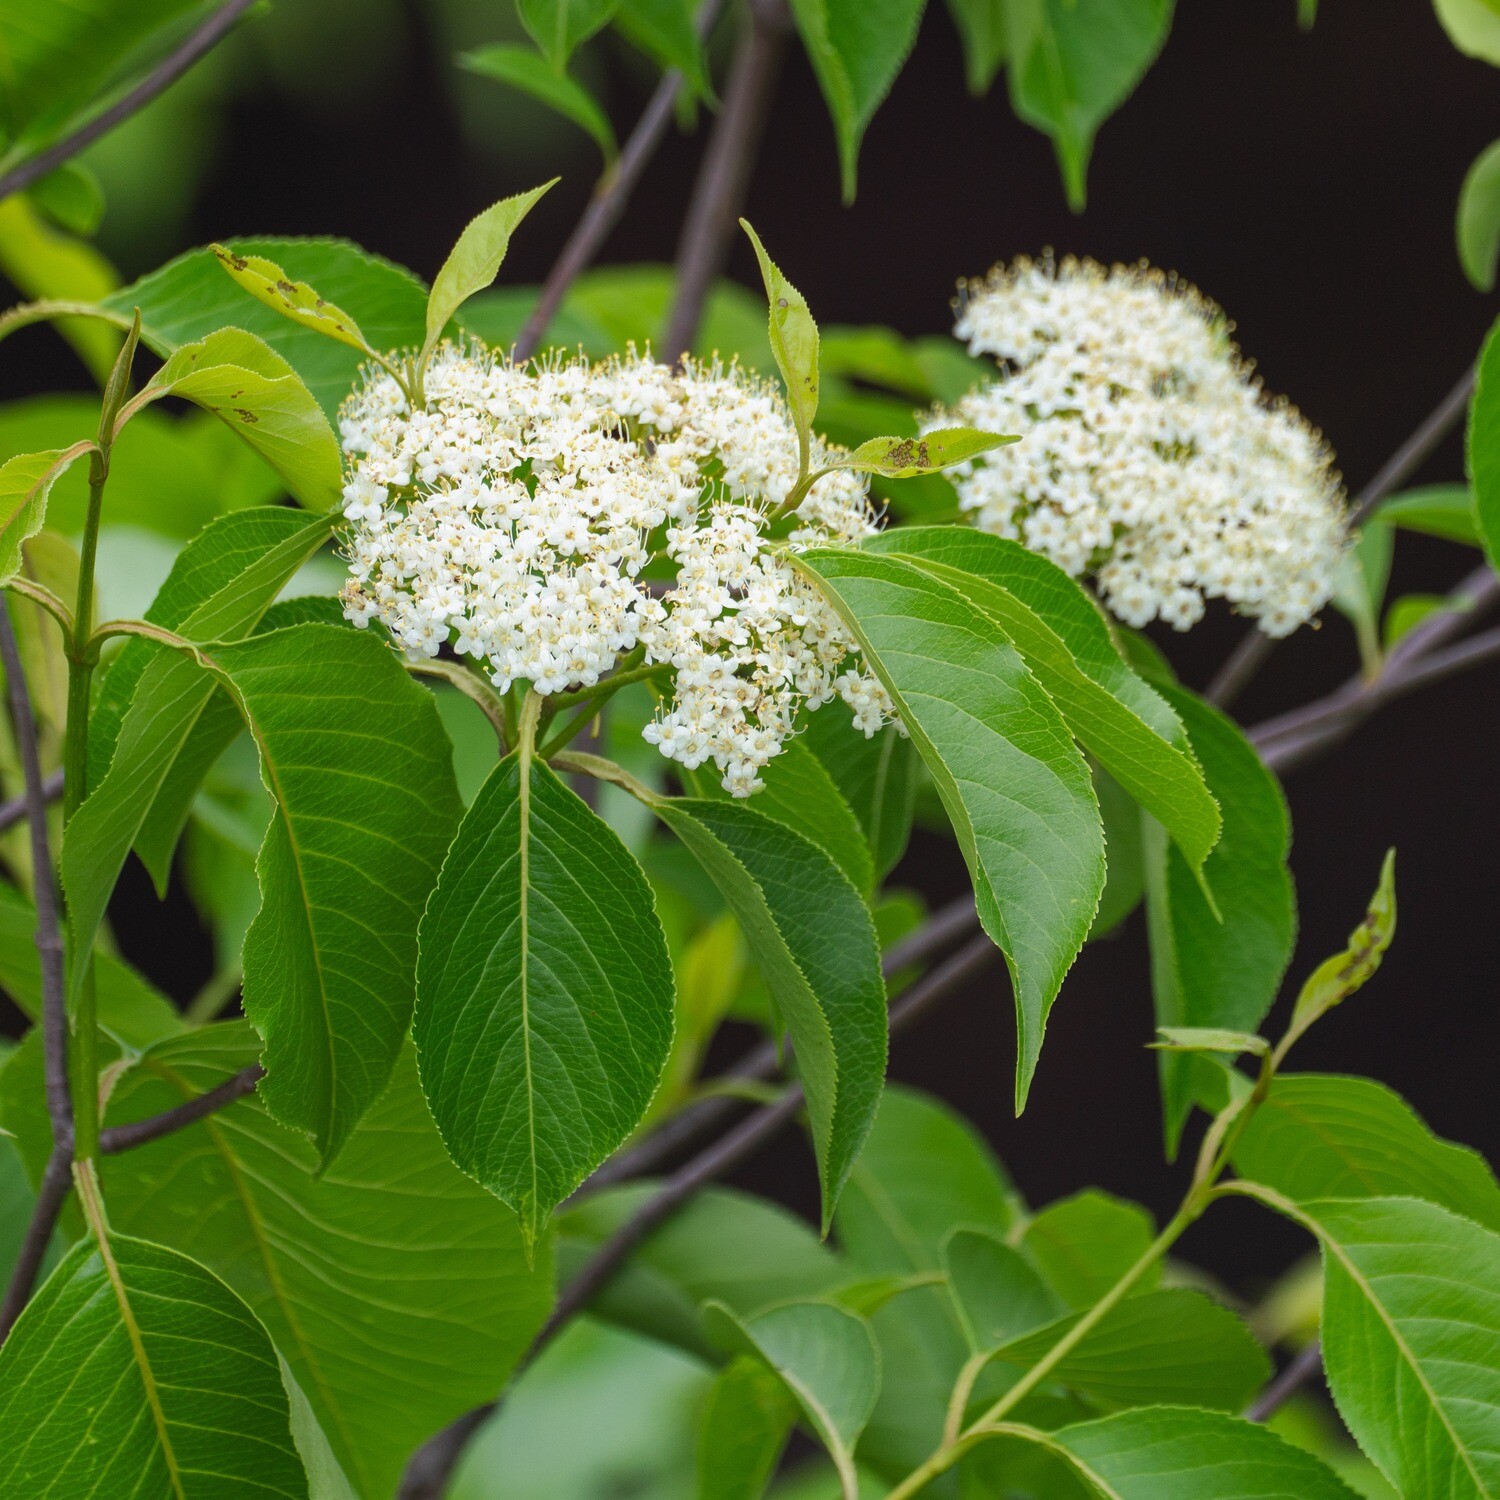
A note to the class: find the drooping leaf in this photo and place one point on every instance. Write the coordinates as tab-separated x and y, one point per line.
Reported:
1444	510
827	1359
521	68
1473	26
1478	227
812	937
1073	63
134	1371
747	1416
25	482
1084	1244
1219	970
394	1287
856	48
252	389
794	342
998	1292
475	259
665	30
1009	776
981	26
268	283
559	26
1359	588
544	1011
1484	439
1323	1136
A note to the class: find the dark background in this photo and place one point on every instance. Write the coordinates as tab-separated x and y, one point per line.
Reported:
1305	181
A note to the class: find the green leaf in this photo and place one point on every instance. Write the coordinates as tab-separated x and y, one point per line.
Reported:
1407	612
1478	226
1073	63
794	343
544	1011
523	69
1323	1136
812	937
1473	26
559	26
1359	588
721	1246
1084	1244
257	394
924	1173
877	777
981	27
856	48
268	283
1208	1039
136	1372
190	297
1009	776
1163	777
746	1418
825	1356
1175	1454
1411	1337
71	196
998	1292
394	1287
1218	970
800	792
665	30
25	483
1444	510
941	448
475	259
1159	1348
1483	449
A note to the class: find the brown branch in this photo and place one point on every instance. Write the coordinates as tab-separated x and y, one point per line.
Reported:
13	811
49	947
1246	659
724	173
140	1132
1297	1373
432	1466
610	198
201	41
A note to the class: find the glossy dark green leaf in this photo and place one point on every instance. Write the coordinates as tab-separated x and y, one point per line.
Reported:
1009	776
1484	440
1322	1136
559	26
544	1010
138	1372
1084	1244
811	936
1479	219
521	68
746	1419
394	1287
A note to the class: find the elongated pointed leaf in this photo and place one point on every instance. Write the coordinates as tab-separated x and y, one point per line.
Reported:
559	26
665	29
906	457
1322	1136
1479	219
25	482
394	1287
746	1419
523	69
1484	440
981	25
794	340
268	283
1012	781
544	1011
140	1373
815	944
256	393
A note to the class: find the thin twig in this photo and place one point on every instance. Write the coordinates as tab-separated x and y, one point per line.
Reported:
49	947
433	1464
165	73
125	1137
724	173
609	200
1247	657
13	811
1302	1369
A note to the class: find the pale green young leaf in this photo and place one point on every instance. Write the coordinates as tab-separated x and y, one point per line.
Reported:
721	1246
746	1419
475	259
1473	26
666	31
559	26
981	27
856	48
1478	225
1210	1039
1443	510
256	393
1218	969
1307	13
521	68
1323	1136
924	1172
1010	778
905	457
1483	449
544	993
25	483
1084	1244
1407	612
811	934
138	1372
794	342
242	1193
1360	582
826	1357
268	283
1073	63
999	1294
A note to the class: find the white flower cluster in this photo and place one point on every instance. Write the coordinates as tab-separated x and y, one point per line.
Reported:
548	519
1149	457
